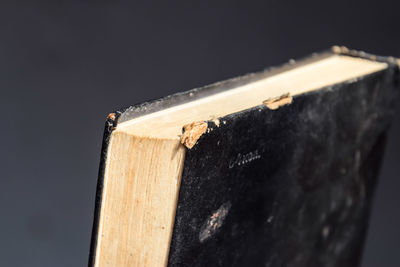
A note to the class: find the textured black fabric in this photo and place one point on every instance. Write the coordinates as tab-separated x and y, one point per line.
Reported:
286	187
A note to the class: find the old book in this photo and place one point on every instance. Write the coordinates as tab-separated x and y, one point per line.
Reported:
275	168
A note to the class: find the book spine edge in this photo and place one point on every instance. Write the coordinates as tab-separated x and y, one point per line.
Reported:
110	125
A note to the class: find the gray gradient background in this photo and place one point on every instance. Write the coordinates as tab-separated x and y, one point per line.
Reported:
65	66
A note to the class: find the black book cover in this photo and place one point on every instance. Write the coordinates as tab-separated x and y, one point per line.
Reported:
285	187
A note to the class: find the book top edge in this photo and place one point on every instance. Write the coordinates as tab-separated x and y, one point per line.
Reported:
151	106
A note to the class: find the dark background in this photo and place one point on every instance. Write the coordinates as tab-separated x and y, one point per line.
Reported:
65	66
